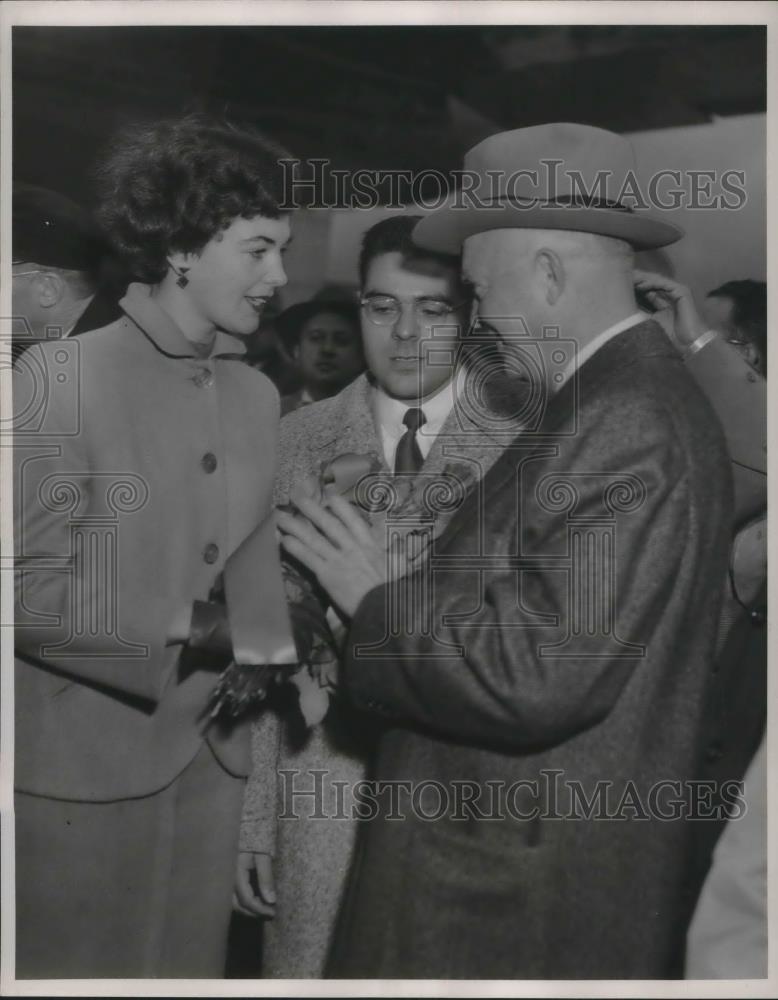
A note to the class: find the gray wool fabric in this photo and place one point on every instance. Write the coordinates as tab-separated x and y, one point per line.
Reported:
534	894
313	856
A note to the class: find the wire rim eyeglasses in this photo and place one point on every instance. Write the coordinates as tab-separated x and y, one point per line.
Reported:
385	310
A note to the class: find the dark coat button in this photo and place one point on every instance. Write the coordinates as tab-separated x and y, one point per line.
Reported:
714	752
208	462
211	553
758	617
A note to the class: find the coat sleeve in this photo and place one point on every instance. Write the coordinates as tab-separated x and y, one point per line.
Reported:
739	396
61	598
259	825
506	689
258	829
259	624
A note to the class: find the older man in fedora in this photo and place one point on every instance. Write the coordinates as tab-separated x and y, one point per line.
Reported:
543	711
58	254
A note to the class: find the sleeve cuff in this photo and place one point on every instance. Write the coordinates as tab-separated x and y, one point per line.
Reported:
257	836
210	628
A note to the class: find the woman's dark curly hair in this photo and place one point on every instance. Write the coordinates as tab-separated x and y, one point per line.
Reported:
175	184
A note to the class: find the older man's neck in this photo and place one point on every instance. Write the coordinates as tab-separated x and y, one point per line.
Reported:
600	313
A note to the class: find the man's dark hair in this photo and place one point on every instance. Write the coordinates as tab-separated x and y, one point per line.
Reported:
291	321
175	184
393	235
749	312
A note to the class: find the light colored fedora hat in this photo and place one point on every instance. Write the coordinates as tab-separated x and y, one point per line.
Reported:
558	176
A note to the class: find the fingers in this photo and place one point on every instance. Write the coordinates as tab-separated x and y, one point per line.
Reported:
238	908
397	557
245	900
657	299
299	550
263	866
299	530
243	897
329	525
351	519
649	280
648	276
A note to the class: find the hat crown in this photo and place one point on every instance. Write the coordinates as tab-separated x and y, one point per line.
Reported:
51	229
552	162
564	176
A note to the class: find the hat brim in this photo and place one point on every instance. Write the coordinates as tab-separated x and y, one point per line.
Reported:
445	230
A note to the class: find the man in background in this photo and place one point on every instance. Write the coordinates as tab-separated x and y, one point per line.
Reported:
720	346
324	341
57	254
739	310
725	347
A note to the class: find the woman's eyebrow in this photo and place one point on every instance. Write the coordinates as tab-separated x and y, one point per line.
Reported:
265	239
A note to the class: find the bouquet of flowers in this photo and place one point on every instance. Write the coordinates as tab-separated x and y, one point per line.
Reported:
408	503
242	688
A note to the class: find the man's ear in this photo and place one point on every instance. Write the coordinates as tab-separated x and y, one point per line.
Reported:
550	271
50	289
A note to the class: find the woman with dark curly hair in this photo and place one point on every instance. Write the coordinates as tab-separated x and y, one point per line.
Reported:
153	460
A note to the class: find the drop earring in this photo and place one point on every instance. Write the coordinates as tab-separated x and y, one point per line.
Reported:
182	281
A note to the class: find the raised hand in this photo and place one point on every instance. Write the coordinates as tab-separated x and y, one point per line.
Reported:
674	305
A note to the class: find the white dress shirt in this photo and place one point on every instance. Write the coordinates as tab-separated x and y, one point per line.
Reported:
389	412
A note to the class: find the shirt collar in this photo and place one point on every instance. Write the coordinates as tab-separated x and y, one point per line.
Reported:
389	412
165	333
594	345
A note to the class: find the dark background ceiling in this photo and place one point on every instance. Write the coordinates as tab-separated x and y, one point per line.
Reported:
369	97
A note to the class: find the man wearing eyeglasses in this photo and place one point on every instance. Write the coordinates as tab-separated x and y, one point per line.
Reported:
412	413
412	372
578	593
56	254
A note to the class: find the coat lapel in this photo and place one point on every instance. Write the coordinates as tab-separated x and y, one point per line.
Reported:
349	426
467	437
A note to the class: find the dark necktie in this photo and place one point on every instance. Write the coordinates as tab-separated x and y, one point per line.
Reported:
408	457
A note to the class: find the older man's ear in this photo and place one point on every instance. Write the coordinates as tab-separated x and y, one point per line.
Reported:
550	272
50	289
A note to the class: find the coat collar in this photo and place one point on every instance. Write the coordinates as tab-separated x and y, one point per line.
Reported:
350	426
345	422
165	334
645	340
